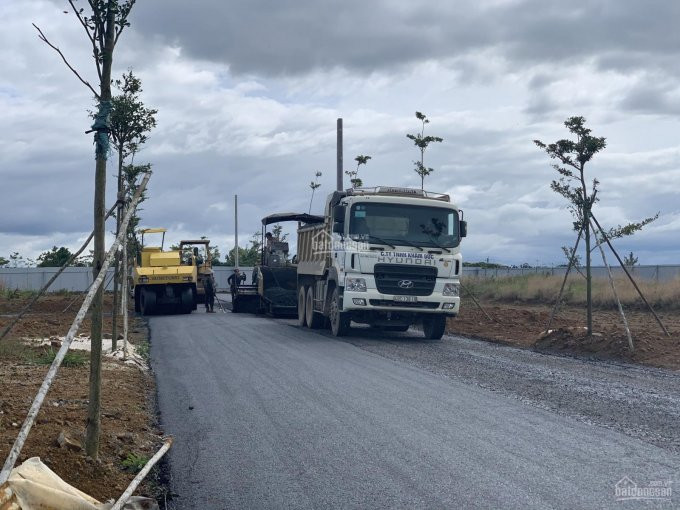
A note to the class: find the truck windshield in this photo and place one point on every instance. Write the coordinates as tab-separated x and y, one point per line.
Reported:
412	224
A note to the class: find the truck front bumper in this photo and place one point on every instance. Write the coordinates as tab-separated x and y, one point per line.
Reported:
371	299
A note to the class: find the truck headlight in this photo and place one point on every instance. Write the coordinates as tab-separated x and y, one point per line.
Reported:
451	289
355	284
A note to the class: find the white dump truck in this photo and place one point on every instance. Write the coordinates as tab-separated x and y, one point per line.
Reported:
386	256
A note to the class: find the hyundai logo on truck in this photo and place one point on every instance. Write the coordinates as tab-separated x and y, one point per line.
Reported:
405	284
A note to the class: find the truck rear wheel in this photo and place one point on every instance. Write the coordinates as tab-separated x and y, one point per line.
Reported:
340	321
434	326
302	299
314	319
147	301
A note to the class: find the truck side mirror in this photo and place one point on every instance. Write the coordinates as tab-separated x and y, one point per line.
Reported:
195	252
339	214
463	229
339	219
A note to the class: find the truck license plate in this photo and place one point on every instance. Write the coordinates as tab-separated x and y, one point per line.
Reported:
406	299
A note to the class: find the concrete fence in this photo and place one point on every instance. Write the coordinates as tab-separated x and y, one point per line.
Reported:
657	273
78	279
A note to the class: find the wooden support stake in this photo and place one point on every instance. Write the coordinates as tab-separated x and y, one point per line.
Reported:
623	266
73	257
61	353
141	475
476	302
616	296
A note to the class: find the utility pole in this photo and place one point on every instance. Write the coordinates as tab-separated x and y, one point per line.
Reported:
236	230
339	185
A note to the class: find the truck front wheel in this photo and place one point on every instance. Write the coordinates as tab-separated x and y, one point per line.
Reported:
340	321
434	326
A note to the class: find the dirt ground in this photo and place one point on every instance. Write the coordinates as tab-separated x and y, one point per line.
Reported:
525	325
129	434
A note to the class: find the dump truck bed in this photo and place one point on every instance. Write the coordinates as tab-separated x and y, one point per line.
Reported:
314	249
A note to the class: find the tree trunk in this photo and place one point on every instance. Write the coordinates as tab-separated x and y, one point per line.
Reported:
94	405
422	164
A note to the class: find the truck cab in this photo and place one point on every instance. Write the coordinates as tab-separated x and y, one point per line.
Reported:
388	257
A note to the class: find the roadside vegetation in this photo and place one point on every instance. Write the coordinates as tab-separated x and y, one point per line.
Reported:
543	289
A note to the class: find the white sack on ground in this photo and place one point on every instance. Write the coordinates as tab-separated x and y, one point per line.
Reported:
33	486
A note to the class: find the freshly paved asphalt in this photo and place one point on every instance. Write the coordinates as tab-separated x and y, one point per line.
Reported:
267	415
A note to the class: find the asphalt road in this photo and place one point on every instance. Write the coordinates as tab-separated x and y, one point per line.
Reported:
267	415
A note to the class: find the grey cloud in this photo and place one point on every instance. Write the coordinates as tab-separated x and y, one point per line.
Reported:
271	38
540	104
652	97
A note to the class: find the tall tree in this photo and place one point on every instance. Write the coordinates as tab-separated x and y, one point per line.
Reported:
354	174
572	157
131	121
248	256
56	257
422	142
103	24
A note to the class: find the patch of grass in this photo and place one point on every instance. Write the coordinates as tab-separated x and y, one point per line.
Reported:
134	463
72	358
143	349
12	294
11	348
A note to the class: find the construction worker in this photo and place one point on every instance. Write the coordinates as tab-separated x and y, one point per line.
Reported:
209	286
235	280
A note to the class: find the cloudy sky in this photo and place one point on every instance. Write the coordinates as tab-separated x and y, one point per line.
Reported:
248	94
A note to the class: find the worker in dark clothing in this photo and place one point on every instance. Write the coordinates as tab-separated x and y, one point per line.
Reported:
209	286
235	280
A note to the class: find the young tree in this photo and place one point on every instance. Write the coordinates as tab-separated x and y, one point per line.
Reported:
277	233
3	261
314	185
131	121
17	260
354	174
630	260
103	23
572	157
422	142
